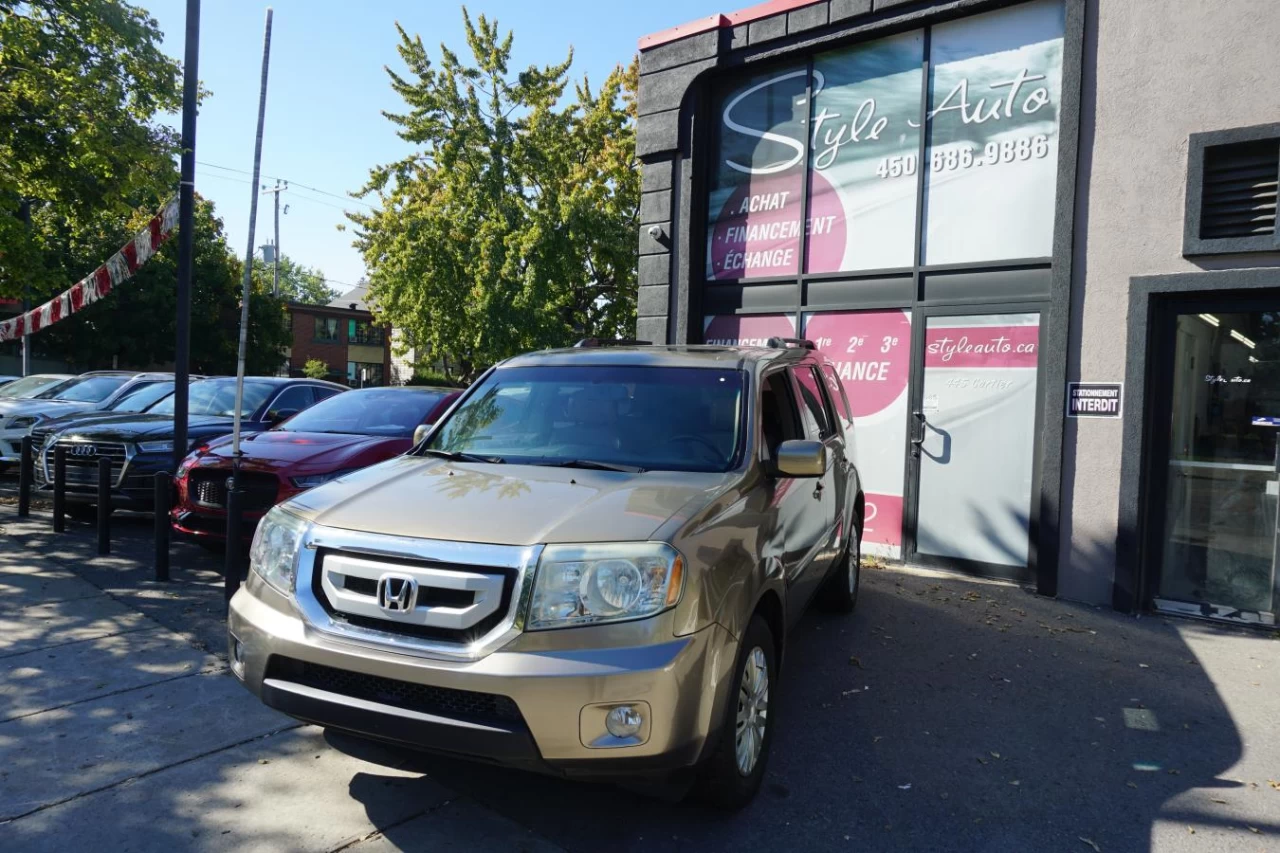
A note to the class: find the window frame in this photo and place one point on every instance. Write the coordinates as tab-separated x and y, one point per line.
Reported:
1197	144
321	322
829	430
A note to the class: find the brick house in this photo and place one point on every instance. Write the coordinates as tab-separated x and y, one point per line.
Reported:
342	334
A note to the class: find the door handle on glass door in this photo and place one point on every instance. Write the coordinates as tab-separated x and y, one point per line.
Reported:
918	440
817	491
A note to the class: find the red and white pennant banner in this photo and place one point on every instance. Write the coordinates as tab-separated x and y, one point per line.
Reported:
119	268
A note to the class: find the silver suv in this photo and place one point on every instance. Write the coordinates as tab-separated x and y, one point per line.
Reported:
588	567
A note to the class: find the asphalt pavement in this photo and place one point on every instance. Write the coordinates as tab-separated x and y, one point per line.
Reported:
944	715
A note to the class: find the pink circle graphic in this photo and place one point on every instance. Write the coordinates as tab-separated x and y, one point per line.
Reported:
871	351
758	230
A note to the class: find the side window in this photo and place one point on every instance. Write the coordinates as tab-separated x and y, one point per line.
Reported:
816	414
296	398
837	395
778	421
323	392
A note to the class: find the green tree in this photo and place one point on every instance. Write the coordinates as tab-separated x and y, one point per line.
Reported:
315	369
134	326
82	83
512	226
298	283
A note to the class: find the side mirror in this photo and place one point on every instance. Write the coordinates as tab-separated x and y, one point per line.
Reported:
277	416
421	433
801	459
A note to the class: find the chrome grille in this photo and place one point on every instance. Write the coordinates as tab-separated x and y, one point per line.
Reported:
82	460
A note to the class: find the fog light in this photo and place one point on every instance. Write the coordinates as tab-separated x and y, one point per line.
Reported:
624	721
237	656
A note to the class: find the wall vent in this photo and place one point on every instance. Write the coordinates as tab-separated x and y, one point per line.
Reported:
1239	190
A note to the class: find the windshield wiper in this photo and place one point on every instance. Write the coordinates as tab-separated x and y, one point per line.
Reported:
593	465
456	456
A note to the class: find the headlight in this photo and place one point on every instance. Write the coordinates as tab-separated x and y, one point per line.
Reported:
274	553
25	422
590	584
155	446
312	480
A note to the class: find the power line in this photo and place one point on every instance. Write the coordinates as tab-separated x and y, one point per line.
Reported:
291	182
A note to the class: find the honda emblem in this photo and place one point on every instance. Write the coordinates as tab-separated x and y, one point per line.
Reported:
397	593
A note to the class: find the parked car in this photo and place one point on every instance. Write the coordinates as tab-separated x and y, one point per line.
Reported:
139	445
29	386
8	380
593	578
339	435
78	394
142	399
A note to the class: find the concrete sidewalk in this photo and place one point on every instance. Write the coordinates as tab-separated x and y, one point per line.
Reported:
119	729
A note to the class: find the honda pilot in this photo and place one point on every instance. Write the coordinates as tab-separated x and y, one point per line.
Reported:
588	567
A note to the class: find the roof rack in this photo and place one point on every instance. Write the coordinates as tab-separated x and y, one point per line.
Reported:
788	343
589	343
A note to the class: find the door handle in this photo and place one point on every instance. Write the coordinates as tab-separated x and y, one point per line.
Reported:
918	440
817	491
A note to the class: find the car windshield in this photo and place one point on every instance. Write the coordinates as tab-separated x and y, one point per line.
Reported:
29	386
142	399
87	389
218	398
372	411
652	418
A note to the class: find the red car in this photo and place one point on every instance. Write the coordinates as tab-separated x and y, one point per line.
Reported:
335	436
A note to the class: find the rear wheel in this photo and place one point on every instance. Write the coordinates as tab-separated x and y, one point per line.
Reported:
839	593
732	775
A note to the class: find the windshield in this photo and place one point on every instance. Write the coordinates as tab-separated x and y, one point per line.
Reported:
663	418
382	411
87	389
142	399
217	397
31	385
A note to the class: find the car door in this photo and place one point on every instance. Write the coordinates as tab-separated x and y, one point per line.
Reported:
828	491
796	531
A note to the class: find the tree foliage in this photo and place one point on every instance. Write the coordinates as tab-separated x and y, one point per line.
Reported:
512	226
81	85
135	325
315	369
298	283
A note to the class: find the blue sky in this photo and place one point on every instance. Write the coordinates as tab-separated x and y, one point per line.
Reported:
324	127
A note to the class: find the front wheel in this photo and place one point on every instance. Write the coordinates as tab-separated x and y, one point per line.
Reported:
839	593
730	778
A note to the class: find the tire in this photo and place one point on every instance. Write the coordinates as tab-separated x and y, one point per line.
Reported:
839	592
721	780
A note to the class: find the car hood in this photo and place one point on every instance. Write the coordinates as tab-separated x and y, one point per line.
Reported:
51	408
504	504
144	426
284	449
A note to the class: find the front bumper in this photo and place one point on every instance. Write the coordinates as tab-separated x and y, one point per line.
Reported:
552	697
133	488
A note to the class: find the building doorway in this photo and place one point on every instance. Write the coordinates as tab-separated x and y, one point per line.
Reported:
1213	491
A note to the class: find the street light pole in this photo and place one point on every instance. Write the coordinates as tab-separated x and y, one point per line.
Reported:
276	190
24	213
186	228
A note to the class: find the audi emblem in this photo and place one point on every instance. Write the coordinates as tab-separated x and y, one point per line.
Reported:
82	450
397	593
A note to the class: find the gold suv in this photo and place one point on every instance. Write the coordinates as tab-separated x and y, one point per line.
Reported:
588	567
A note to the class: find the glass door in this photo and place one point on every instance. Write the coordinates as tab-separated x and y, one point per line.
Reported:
973	442
1216	515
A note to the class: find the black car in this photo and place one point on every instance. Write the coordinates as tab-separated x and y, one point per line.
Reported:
139	445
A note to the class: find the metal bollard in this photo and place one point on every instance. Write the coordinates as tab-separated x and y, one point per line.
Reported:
235	523
59	489
161	497
25	473
104	505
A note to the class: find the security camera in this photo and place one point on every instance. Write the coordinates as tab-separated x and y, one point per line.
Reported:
655	232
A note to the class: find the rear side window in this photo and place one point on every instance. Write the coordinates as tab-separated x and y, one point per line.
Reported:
814	402
835	389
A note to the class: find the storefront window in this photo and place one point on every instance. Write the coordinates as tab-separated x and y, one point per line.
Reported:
757	177
865	153
871	351
995	91
747	330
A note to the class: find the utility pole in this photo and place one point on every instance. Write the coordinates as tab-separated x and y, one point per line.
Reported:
276	190
186	231
24	213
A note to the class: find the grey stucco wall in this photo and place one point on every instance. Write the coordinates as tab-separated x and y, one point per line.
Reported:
1154	73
